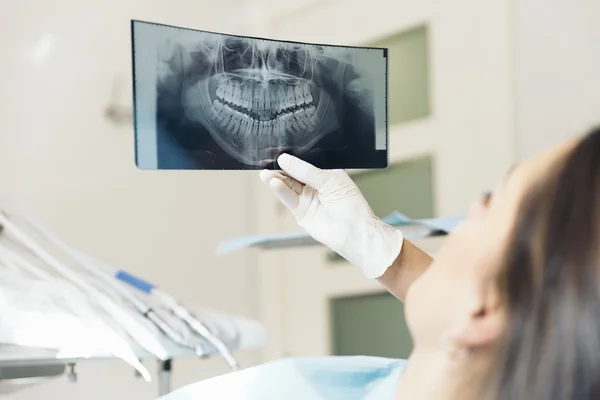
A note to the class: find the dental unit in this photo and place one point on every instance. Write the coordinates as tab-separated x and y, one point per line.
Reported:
23	256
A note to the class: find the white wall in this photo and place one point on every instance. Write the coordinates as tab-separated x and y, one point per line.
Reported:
557	70
61	159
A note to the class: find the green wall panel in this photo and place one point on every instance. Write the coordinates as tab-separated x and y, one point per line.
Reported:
406	187
371	325
408	78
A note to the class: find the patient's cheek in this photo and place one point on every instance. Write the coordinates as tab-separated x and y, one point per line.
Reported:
477	209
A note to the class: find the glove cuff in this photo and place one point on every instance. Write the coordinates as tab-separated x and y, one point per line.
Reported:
383	252
373	246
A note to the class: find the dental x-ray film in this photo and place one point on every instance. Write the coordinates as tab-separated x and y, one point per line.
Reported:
206	100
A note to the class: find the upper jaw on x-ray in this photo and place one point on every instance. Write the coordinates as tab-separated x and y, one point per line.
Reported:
259	98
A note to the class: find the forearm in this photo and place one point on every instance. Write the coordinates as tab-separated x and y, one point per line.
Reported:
409	265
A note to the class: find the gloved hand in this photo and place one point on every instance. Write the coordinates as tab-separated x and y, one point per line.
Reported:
331	208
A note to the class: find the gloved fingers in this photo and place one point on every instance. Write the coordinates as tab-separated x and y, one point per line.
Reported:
285	194
302	171
267	175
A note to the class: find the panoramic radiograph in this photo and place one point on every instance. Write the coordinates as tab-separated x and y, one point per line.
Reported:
214	101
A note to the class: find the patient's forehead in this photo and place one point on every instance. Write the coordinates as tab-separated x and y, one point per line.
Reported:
531	170
510	193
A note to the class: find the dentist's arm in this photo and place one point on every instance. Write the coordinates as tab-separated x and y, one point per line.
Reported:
408	266
330	207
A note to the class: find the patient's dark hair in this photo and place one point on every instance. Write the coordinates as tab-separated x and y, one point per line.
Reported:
551	285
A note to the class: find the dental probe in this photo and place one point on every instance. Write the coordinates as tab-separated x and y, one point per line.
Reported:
198	327
179	311
145	310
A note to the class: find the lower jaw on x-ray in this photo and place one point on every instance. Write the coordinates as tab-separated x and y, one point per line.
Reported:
225	102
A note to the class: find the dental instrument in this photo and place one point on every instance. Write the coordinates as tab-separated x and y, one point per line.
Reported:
121	348
107	273
78	327
145	310
173	305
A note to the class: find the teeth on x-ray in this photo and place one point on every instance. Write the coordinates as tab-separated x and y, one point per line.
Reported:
255	97
258	109
263	95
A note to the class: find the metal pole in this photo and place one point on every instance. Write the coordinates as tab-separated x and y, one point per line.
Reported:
164	377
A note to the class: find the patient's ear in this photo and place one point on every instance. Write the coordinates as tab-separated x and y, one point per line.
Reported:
483	328
483	324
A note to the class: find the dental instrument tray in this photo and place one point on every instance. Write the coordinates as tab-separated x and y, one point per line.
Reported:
215	101
24	366
60	307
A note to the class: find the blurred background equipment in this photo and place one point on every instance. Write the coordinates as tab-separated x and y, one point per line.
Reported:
59	307
419	231
474	86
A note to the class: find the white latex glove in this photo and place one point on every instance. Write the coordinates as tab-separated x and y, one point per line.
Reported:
331	208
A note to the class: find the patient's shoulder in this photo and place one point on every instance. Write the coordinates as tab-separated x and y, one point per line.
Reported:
347	372
341	363
302	378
